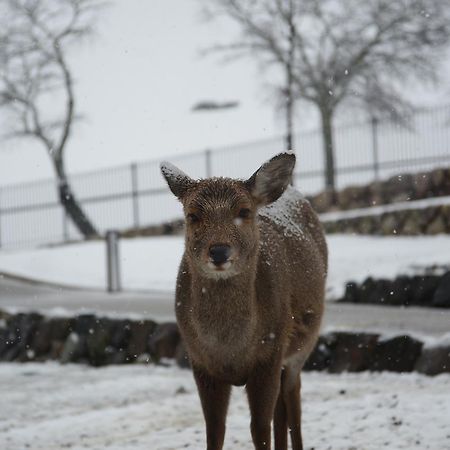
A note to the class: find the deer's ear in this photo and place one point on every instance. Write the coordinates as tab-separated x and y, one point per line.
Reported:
270	181
178	181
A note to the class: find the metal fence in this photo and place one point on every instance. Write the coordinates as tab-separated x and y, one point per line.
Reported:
136	195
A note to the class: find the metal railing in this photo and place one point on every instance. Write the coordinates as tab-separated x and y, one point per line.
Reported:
136	195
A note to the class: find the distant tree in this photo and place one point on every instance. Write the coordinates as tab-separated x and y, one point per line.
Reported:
36	82
344	52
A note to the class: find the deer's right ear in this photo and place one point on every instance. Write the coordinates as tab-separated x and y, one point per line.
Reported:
270	181
177	180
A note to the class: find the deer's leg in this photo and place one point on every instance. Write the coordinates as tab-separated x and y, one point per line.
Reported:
262	389
280	421
291	395
214	396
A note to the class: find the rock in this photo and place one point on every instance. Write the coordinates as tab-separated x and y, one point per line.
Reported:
400	292
422	289
42	339
331	227
74	349
139	335
164	341
398	354
422	185
349	197
441	297
375	291
84	323
433	361
403	190
445	213
366	225
437	226
412	225
389	224
438	182
121	335
351	293
320	358
98	349
181	356
322	202
21	329
375	193
350	352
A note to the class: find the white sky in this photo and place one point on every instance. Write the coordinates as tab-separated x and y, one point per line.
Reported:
136	83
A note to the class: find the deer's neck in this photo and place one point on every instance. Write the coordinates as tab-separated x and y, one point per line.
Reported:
225	308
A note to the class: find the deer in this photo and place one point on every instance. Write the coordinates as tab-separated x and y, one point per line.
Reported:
249	295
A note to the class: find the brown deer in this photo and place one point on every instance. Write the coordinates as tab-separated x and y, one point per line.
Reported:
249	295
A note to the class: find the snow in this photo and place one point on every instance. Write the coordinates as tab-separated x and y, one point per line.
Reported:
280	212
80	407
171	171
152	263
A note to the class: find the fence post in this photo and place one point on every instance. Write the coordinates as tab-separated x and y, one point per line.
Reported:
208	163
112	261
135	194
376	163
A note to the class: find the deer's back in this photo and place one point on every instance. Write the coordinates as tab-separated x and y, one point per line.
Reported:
292	271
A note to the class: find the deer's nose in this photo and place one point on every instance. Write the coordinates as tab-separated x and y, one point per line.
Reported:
219	254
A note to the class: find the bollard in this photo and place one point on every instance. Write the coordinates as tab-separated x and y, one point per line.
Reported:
112	261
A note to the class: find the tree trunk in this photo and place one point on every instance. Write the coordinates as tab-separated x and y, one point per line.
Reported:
70	204
328	148
289	121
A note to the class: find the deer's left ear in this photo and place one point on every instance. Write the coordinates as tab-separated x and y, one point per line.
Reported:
270	181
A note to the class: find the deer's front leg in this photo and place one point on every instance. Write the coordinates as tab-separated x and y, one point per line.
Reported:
262	390
214	396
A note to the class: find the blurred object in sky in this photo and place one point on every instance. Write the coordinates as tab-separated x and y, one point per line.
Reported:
211	105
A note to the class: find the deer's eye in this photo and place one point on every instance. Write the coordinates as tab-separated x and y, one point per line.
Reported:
244	213
193	218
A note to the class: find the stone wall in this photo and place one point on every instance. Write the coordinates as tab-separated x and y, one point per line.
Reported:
410	222
419	290
399	188
100	341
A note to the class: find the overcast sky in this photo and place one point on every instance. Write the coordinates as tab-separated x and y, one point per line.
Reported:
136	83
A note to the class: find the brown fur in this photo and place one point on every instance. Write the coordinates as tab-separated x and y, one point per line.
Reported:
256	322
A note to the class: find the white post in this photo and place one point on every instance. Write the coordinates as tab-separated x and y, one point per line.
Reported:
112	261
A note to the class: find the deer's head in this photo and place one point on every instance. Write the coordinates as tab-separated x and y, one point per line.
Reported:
222	234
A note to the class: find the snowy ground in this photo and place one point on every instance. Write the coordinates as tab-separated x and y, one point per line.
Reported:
47	406
152	263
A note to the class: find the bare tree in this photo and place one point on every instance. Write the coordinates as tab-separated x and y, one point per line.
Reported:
345	52
264	26
36	82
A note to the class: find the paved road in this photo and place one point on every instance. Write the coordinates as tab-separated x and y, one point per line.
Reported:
20	295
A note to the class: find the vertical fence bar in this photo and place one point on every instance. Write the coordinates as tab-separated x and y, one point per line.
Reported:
65	224
376	161
208	165
135	194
